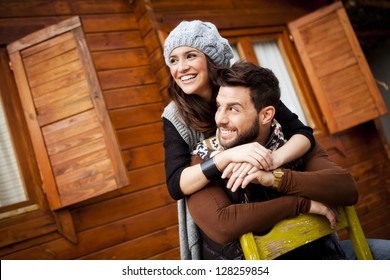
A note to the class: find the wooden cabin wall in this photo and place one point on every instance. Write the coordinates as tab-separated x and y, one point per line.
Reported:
139	221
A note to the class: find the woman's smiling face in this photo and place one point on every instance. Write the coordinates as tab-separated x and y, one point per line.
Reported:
188	67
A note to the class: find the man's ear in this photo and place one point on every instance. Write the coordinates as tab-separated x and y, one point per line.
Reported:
266	114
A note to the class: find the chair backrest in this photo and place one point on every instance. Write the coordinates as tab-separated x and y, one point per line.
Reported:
292	233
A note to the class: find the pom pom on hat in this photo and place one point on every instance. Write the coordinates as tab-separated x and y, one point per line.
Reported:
203	36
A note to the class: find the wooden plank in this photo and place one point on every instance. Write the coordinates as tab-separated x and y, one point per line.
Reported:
70	127
137	115
64	81
96	144
49	49
59	7
109	23
79	162
120	59
114	40
141	177
54	74
31	227
150	245
81	177
140	135
120	78
143	156
173	254
130	204
56	96
86	136
70	105
96	188
132	96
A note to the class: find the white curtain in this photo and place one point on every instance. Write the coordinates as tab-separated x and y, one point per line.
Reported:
11	186
269	56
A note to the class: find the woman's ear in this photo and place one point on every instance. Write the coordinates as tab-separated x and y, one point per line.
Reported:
266	115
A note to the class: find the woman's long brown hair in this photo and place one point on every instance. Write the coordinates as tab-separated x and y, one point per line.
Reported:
196	112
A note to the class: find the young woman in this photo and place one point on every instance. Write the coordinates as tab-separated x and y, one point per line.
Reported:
194	51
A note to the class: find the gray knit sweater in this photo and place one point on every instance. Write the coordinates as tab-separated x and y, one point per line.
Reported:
189	235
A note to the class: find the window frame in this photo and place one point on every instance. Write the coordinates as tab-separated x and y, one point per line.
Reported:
21	140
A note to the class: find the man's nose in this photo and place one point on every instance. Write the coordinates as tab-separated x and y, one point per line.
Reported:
221	118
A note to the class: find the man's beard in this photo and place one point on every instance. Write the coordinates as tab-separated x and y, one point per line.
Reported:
248	136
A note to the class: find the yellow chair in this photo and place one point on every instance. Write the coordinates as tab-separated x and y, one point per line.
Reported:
292	233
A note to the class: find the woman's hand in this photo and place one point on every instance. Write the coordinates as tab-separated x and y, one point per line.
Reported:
252	153
241	174
331	213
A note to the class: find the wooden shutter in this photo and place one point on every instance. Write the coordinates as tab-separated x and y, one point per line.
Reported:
337	69
72	135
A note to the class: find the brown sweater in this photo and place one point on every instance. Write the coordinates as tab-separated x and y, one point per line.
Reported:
323	181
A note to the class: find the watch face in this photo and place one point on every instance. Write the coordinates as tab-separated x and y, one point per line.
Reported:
280	173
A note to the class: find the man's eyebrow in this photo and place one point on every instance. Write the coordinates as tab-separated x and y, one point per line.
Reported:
234	103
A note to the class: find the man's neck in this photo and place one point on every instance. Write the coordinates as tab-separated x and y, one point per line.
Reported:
264	135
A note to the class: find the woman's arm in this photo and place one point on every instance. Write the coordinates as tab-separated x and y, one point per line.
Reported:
182	179
293	149
300	137
292	125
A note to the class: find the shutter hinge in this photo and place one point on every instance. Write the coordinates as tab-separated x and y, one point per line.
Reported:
10	65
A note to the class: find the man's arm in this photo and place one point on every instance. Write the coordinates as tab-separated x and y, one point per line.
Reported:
322	180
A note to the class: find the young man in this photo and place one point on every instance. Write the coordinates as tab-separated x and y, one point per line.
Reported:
258	200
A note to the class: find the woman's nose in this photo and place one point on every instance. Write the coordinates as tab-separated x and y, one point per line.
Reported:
183	65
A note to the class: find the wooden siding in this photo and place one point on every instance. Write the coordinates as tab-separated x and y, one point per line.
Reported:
139	221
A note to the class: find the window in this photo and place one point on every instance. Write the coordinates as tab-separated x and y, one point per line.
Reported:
11	186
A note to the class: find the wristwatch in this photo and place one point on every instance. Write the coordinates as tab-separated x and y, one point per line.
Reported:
278	175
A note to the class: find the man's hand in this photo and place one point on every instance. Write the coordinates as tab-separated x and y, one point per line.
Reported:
332	214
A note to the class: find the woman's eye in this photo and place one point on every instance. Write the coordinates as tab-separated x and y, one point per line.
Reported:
191	55
172	61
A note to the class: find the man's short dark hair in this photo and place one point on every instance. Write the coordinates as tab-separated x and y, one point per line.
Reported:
262	82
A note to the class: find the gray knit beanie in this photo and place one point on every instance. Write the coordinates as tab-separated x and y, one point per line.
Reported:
203	36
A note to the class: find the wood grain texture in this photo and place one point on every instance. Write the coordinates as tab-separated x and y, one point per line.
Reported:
125	45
